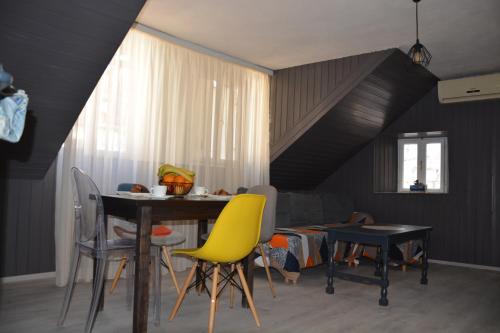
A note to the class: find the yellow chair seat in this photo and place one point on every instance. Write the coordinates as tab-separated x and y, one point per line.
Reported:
203	254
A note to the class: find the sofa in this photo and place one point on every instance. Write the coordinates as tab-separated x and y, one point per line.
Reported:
312	208
300	240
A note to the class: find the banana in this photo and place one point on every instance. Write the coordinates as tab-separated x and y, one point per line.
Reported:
189	172
168	168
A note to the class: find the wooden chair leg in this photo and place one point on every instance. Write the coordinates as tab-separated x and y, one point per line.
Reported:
266	267
213	299
168	260
181	296
118	273
201	286
231	290
248	294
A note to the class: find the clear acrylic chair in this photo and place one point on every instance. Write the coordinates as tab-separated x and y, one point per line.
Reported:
159	246
91	240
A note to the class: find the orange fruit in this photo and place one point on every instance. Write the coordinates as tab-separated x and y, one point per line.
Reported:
179	179
169	178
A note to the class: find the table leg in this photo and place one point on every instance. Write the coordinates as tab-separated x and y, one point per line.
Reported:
248	268
331	268
425	257
378	262
142	258
100	307
385	276
156	284
202	229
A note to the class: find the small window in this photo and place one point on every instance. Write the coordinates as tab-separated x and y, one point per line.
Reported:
425	160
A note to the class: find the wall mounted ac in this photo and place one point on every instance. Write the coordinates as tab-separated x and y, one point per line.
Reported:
469	89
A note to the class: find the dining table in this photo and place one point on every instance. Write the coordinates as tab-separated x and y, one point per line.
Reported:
146	210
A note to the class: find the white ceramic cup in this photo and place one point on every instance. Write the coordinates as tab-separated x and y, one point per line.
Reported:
200	190
158	190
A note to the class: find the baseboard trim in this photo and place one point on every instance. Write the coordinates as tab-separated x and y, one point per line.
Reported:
461	264
48	275
27	277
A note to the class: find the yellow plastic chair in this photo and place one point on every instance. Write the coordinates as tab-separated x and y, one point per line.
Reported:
233	237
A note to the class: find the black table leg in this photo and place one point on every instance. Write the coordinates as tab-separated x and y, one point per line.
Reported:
202	229
385	276
425	257
331	267
378	262
141	281
248	268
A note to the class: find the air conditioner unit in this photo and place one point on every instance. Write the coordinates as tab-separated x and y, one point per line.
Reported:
469	89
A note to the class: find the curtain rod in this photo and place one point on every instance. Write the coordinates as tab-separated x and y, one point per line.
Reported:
200	48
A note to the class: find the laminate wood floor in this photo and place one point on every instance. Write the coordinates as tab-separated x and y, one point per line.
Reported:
456	300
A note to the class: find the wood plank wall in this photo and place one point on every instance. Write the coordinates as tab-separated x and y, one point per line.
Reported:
56	50
385	163
27	225
343	115
465	220
301	95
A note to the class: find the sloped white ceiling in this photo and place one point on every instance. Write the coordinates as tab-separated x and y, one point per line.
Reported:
462	35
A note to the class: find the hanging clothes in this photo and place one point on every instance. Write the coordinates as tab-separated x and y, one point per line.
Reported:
12	116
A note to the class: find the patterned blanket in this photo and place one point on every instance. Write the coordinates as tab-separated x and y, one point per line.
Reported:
293	249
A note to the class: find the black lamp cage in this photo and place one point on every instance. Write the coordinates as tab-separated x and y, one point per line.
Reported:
418	52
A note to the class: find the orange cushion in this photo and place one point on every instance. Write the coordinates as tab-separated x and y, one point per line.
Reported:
279	241
161	230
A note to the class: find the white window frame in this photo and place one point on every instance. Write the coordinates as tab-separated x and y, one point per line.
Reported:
422	162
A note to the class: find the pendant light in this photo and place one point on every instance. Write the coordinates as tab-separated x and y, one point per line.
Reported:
418	52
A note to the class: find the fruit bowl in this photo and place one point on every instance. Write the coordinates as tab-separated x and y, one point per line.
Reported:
177	188
178	181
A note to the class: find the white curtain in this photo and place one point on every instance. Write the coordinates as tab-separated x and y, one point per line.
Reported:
158	102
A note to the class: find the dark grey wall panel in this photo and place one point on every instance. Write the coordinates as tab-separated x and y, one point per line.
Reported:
385	165
27	225
369	92
302	95
57	50
466	221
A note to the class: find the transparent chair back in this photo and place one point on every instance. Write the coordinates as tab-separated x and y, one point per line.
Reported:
89	212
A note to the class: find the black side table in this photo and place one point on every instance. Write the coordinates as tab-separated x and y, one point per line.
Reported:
381	236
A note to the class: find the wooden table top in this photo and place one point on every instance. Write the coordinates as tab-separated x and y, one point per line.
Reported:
380	229
174	208
378	232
